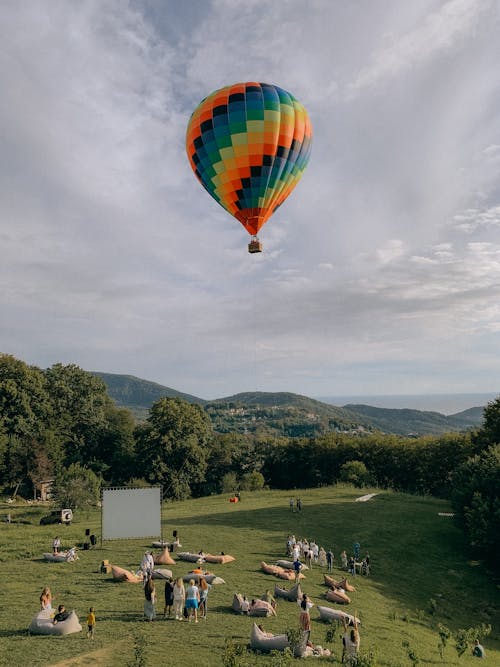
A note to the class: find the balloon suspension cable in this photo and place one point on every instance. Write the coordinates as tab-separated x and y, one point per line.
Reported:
255	245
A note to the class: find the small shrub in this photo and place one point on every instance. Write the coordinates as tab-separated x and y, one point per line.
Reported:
232	656
444	635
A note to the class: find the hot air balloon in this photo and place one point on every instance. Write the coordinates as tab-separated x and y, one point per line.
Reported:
248	144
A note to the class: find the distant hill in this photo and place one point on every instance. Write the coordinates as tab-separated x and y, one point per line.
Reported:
405	421
139	395
288	414
281	413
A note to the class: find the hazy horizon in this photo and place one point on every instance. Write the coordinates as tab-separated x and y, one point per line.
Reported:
447	404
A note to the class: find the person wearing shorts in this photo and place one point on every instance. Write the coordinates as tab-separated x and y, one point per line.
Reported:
192	601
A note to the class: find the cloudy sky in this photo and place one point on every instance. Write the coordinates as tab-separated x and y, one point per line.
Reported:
381	273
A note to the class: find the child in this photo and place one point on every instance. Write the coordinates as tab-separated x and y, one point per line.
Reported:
90	623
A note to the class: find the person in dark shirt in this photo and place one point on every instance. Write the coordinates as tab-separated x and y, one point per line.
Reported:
61	615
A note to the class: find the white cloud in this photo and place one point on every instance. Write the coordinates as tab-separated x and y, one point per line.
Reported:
382	264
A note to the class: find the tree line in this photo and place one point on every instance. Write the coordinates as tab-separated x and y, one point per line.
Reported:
59	423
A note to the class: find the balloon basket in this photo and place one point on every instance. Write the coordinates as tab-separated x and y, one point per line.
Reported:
255	246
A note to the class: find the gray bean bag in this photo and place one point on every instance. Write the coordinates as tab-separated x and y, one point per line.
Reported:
191	558
329	614
161	573
288	564
293	594
261	642
42	624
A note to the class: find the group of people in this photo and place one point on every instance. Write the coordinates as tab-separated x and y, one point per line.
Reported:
181	601
295	504
62	614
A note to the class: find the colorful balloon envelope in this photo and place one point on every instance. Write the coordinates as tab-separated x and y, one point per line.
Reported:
248	145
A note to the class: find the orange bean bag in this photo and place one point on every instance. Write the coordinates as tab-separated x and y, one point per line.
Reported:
234	499
221	558
164	558
121	574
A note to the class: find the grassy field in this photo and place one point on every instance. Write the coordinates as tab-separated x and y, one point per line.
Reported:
420	578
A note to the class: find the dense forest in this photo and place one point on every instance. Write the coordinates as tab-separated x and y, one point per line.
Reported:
60	424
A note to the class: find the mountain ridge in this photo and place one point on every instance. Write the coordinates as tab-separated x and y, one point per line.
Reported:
287	413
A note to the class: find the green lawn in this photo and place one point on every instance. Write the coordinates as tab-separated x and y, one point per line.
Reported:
417	557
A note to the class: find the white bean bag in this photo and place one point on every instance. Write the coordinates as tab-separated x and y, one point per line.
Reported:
42	624
61	557
190	557
259	640
237	602
329	614
162	573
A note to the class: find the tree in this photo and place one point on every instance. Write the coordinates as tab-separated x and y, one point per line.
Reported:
355	473
476	501
80	406
77	487
171	446
489	434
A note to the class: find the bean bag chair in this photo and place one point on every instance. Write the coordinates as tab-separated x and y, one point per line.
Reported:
42	624
237	602
259	640
288	564
293	594
337	595
161	573
343	583
191	558
211	579
164	558
121	574
329	614
261	608
61	557
280	572
161	544
234	499
222	558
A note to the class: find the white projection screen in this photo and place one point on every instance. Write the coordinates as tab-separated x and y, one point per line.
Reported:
130	512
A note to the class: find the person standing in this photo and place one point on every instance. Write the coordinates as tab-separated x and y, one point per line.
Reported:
46	599
56	544
297	566
169	597
305	618
290	502
350	642
299	505
90	623
149	600
204	587
329	560
179	599
343	559
192	600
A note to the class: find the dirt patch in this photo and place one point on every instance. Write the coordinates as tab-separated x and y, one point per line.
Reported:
89	659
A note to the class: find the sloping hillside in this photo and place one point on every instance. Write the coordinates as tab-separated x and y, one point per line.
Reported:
139	395
417	422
